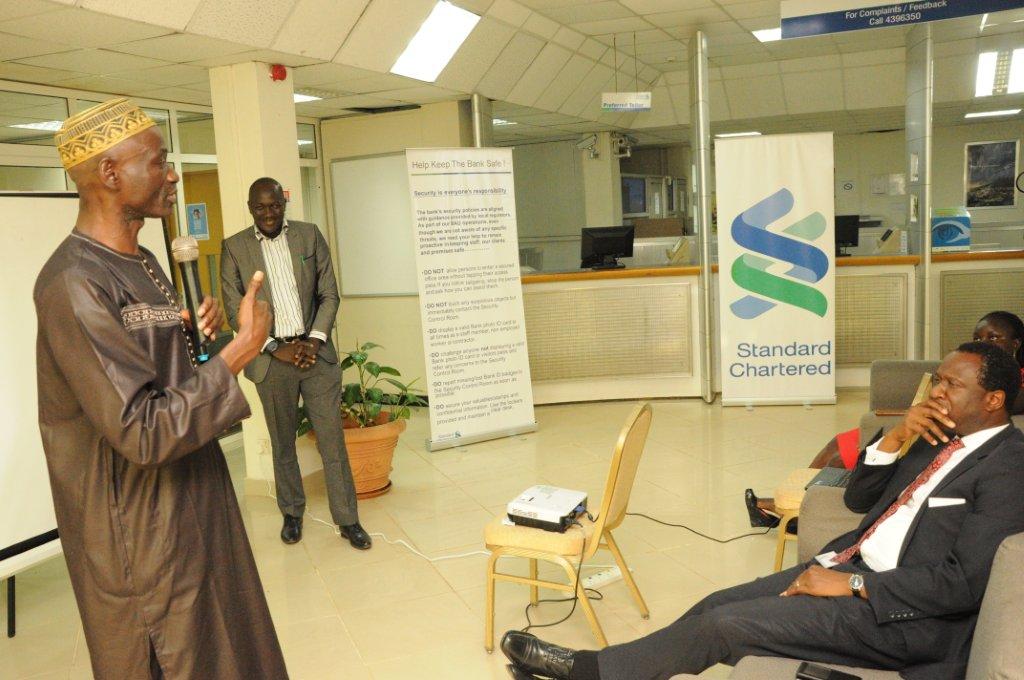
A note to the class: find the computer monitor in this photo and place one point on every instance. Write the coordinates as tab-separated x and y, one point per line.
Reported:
847	233
600	247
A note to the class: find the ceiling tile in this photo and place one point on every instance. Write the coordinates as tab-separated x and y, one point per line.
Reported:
585	91
244	21
512	13
748	10
693	17
813	91
265	56
868	87
562	86
383	33
612	26
539	24
478	7
15	47
81	28
752	71
662	6
317	28
12	70
13	9
510	65
110	85
719	103
662	111
96	62
174	15
820	63
378	83
589	11
476	55
954	79
539	74
593	49
424	94
755	98
328	75
174	74
566	37
178	94
181	47
890	56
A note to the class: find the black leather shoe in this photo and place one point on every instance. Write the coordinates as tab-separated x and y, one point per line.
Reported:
531	655
291	532
517	674
357	536
758	517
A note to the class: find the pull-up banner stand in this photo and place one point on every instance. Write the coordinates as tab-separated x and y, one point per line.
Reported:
801	18
776	272
471	295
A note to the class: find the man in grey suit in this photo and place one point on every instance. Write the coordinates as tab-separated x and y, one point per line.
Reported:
299	357
900	592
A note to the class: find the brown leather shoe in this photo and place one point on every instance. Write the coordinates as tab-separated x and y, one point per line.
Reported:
357	536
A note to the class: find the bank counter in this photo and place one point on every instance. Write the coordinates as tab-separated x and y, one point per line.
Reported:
633	333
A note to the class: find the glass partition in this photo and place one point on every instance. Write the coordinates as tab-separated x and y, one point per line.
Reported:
30	118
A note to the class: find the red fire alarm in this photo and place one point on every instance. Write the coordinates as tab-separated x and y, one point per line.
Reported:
278	72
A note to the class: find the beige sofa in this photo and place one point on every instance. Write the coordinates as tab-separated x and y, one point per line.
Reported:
998	648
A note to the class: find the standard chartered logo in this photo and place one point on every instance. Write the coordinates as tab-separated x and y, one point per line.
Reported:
750	272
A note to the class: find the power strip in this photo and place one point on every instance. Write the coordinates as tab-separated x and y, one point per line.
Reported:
601	578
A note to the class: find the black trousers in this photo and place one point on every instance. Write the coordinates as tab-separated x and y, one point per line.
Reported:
752	620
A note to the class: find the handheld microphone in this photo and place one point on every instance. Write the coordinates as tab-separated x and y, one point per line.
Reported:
185	251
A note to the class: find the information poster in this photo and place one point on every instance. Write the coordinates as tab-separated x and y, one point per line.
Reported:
777	274
471	304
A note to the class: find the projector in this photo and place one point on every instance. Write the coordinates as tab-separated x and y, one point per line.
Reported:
547	507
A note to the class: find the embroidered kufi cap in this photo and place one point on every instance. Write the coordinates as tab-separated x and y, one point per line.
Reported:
97	129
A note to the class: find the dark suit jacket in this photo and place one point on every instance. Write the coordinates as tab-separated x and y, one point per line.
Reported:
242	256
936	589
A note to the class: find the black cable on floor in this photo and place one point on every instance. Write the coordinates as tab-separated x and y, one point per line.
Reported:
694	531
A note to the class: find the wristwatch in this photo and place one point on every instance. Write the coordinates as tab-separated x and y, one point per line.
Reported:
271	346
857	585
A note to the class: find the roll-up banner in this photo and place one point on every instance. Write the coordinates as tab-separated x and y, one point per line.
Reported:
776	279
471	295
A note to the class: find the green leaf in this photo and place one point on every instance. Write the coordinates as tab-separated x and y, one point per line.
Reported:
373	368
346	362
374	394
367	346
414	400
397	384
372	411
388	370
352	393
402	413
359	358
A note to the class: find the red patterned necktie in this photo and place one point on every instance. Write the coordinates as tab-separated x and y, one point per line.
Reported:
941	459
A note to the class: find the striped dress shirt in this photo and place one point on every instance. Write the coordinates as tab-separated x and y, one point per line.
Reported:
284	290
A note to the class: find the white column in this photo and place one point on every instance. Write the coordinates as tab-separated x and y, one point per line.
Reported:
254	123
700	148
920	87
602	184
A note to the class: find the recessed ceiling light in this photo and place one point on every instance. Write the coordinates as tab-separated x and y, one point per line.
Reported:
305	142
1000	72
752	133
437	41
768	34
300	98
985	79
1015	82
986	114
48	125
502	121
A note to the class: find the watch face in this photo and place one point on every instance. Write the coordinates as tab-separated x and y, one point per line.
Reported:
856	582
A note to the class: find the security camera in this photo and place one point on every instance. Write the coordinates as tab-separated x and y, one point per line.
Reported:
589	144
622	146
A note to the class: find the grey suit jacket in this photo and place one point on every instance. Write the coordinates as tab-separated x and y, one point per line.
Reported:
318	289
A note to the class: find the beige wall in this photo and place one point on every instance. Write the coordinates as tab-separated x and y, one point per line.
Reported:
549	189
602	185
392	322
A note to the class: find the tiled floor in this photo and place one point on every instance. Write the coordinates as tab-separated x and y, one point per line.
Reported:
388	614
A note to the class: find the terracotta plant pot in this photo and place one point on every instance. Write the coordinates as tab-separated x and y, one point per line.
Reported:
370	451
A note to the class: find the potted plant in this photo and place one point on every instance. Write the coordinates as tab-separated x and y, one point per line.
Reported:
373	419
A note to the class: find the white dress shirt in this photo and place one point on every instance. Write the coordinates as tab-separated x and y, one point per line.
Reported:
284	290
881	550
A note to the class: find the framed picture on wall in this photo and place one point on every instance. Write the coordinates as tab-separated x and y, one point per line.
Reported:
198	225
990	169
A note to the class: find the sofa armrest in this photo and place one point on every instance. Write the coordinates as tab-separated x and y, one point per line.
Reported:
823	516
996	651
894	383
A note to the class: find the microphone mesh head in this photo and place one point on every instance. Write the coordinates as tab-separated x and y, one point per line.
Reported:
185	249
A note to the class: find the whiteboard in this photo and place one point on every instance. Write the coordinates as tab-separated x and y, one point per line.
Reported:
373	216
33	226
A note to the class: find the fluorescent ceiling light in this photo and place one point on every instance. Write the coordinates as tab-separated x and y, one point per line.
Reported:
1015	83
502	121
48	125
738	134
300	98
768	34
985	80
304	142
437	41
985	114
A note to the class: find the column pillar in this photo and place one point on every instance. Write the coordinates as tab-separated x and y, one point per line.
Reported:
920	87
254	124
700	148
602	183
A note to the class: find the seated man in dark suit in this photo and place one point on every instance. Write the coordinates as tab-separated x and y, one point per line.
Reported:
900	592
